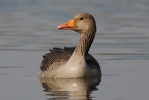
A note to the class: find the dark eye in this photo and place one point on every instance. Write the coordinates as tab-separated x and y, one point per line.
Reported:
81	18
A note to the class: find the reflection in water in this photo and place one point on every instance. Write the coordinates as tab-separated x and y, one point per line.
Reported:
66	89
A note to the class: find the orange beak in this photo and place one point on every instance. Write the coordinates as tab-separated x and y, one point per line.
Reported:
67	26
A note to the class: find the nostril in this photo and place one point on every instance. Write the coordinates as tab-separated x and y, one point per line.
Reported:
66	23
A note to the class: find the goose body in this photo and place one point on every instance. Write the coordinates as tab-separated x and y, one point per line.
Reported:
73	62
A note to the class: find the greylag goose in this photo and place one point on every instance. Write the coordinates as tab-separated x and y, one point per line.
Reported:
73	62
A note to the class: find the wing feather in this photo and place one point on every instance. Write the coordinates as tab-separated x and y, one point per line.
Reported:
62	55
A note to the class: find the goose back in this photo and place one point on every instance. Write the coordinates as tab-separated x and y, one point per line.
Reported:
58	55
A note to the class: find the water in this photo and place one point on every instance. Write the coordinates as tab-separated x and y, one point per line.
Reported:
121	46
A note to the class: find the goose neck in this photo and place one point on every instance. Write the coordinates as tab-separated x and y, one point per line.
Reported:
85	42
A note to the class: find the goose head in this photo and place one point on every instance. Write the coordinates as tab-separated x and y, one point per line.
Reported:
82	23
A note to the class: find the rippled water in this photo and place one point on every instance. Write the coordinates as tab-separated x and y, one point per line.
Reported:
121	46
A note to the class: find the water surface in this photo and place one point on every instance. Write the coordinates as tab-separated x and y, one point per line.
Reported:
121	46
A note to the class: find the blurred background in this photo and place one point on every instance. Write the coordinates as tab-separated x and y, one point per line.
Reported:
121	46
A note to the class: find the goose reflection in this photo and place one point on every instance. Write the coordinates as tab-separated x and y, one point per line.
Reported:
69	89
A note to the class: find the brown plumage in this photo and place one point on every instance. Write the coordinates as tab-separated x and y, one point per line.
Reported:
73	62
59	54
